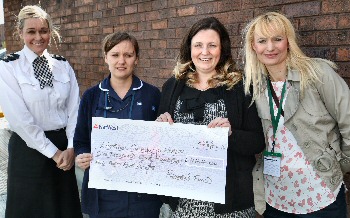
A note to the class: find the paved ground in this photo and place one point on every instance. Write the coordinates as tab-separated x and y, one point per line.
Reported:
4	137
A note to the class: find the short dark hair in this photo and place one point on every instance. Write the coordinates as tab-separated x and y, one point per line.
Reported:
115	38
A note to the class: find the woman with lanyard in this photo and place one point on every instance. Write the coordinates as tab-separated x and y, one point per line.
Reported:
121	95
304	107
40	97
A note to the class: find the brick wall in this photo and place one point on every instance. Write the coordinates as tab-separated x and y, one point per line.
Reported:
324	27
2	34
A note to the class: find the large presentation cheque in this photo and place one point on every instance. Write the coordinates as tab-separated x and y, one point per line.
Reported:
180	160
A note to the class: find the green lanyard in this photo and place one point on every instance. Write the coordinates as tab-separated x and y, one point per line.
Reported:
275	119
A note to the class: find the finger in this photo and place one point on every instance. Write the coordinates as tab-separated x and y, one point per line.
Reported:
84	163
59	161
85	159
168	117
219	121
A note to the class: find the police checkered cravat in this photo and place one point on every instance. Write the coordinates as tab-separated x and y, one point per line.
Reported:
42	72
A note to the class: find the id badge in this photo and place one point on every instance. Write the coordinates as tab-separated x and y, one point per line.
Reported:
272	163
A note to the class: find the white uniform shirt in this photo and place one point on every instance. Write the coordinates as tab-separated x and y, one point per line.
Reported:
31	110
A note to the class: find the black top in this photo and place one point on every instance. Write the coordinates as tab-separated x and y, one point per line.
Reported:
246	140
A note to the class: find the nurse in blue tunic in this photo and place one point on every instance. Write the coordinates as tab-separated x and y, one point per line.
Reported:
121	95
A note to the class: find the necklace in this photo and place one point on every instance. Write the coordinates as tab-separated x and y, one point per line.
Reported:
111	107
203	89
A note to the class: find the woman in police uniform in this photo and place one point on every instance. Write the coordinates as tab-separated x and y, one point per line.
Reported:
40	97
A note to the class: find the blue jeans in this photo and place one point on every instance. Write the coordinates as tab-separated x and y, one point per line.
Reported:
335	210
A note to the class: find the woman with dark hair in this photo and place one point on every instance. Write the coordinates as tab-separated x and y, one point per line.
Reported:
121	95
207	89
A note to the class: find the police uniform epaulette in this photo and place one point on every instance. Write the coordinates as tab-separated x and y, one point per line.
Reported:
10	57
58	57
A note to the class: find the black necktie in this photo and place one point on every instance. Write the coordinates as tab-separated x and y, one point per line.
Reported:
42	72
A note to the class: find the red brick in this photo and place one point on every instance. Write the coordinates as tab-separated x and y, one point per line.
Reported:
158	44
83	9
93	23
144	6
144	63
178	22
146	25
191	10
323	23
97	14
254	4
84	38
181	32
167	13
171	54
130	9
87	1
174	43
335	6
307	38
240	16
144	44
151	34
229	5
158	63
124	2
347	80
100	6
131	27
165	73
167	33
303	9
152	15
343	54
159	4
344	21
112	4
344	69
320	52
162	24
130	18
159	26
341	37
107	30
207	8
78	17
176	3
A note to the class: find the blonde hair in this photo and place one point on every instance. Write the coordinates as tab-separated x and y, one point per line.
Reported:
35	11
269	24
225	75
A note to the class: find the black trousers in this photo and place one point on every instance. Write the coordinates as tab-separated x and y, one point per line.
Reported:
36	188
